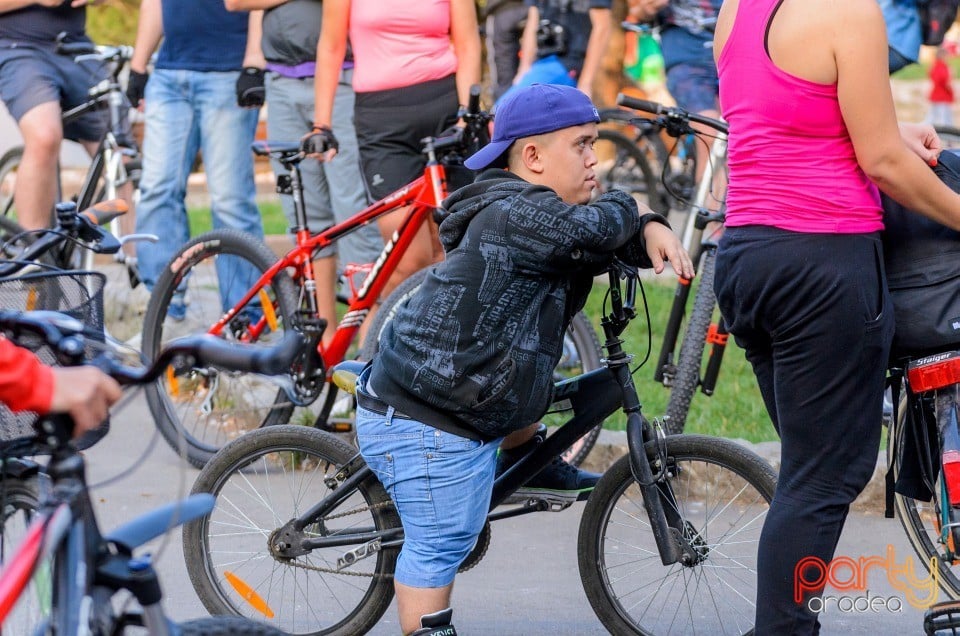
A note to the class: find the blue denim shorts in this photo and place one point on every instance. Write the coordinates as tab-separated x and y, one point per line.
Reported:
695	87
441	484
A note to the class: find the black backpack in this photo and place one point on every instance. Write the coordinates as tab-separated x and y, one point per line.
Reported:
922	260
936	18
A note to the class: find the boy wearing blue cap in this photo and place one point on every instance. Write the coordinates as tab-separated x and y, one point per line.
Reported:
467	362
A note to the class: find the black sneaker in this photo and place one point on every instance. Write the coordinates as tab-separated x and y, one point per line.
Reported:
560	477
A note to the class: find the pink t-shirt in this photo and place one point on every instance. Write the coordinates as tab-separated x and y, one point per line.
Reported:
400	43
792	164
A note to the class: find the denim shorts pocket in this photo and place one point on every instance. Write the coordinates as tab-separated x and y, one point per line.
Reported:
447	444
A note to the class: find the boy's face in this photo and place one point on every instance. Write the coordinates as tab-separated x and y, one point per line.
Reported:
568	162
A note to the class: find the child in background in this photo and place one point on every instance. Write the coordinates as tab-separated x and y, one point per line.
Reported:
941	91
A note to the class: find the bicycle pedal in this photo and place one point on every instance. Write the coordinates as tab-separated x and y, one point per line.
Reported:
942	618
338	425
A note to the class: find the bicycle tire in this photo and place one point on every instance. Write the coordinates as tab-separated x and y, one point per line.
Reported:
949	136
225	626
9	164
19	500
581	352
625	167
249	477
612	569
690	359
917	516
210	407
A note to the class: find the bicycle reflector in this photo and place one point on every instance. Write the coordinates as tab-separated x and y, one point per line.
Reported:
934	372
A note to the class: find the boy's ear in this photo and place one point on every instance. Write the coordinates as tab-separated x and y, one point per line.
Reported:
531	157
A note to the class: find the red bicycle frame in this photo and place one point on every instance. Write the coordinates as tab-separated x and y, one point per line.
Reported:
423	195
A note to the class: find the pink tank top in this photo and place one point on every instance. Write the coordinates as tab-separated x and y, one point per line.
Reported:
400	43
791	161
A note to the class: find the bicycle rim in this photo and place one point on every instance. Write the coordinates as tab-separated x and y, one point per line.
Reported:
722	493
261	481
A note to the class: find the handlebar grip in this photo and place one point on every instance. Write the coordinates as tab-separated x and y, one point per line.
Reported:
473	106
106	211
639	104
76	48
274	360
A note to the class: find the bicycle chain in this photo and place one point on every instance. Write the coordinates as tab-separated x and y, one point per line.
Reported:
317	568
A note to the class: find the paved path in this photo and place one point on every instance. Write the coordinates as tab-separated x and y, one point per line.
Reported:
527	584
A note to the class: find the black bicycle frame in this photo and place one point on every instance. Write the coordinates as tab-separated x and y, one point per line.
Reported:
592	396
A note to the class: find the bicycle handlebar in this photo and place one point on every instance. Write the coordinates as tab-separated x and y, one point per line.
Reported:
64	333
670	113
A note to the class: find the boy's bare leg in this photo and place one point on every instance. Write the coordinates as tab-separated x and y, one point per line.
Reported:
414	602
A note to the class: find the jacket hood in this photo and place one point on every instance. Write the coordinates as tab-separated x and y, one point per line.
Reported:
464	204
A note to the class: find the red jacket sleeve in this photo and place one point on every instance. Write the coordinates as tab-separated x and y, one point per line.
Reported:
26	384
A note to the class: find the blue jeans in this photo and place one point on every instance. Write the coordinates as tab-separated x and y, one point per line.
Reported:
187	112
441	485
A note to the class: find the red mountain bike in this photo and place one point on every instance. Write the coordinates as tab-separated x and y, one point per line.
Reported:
199	409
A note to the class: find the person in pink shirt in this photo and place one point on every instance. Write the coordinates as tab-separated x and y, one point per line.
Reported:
813	136
414	63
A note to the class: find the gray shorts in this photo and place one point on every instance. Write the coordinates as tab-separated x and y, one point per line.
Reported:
33	74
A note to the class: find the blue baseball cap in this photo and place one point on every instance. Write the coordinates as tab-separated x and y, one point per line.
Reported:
533	110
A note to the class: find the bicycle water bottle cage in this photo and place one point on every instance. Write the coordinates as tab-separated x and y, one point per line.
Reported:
934	372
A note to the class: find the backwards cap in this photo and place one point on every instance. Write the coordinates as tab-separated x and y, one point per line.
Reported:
533	110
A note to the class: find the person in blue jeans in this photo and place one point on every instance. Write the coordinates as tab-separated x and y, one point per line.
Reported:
465	365
191	105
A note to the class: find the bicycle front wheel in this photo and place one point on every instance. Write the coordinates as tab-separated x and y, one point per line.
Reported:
19	501
722	493
202	408
226	626
261	482
581	352
686	380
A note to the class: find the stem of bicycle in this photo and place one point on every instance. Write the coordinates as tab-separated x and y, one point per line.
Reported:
718	154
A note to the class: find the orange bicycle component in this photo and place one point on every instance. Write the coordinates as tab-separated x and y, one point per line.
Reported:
268	310
249	595
714	336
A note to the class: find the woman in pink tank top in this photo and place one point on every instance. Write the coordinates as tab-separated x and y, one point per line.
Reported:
799	273
414	63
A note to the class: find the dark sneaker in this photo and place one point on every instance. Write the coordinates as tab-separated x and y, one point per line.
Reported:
559	476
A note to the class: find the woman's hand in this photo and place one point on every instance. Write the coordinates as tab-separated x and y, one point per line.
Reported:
922	139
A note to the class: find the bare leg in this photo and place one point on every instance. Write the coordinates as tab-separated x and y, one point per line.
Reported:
35	190
325	272
414	602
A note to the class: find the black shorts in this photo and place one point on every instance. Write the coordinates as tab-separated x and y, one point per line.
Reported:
390	125
34	74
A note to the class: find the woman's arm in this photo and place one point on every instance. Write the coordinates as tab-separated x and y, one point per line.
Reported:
596	45
331	51
528	42
465	36
858	40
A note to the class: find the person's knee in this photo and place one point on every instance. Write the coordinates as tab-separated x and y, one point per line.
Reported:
42	131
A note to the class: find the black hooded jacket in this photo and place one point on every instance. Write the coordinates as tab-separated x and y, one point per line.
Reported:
473	351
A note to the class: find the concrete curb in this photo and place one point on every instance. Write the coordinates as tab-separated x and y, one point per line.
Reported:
612	445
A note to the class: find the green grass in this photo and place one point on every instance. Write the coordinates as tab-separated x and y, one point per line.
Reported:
270	211
734	410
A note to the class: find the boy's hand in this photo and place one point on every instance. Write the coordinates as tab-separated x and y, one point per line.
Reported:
663	245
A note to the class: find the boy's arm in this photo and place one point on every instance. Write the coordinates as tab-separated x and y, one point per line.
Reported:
600	20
